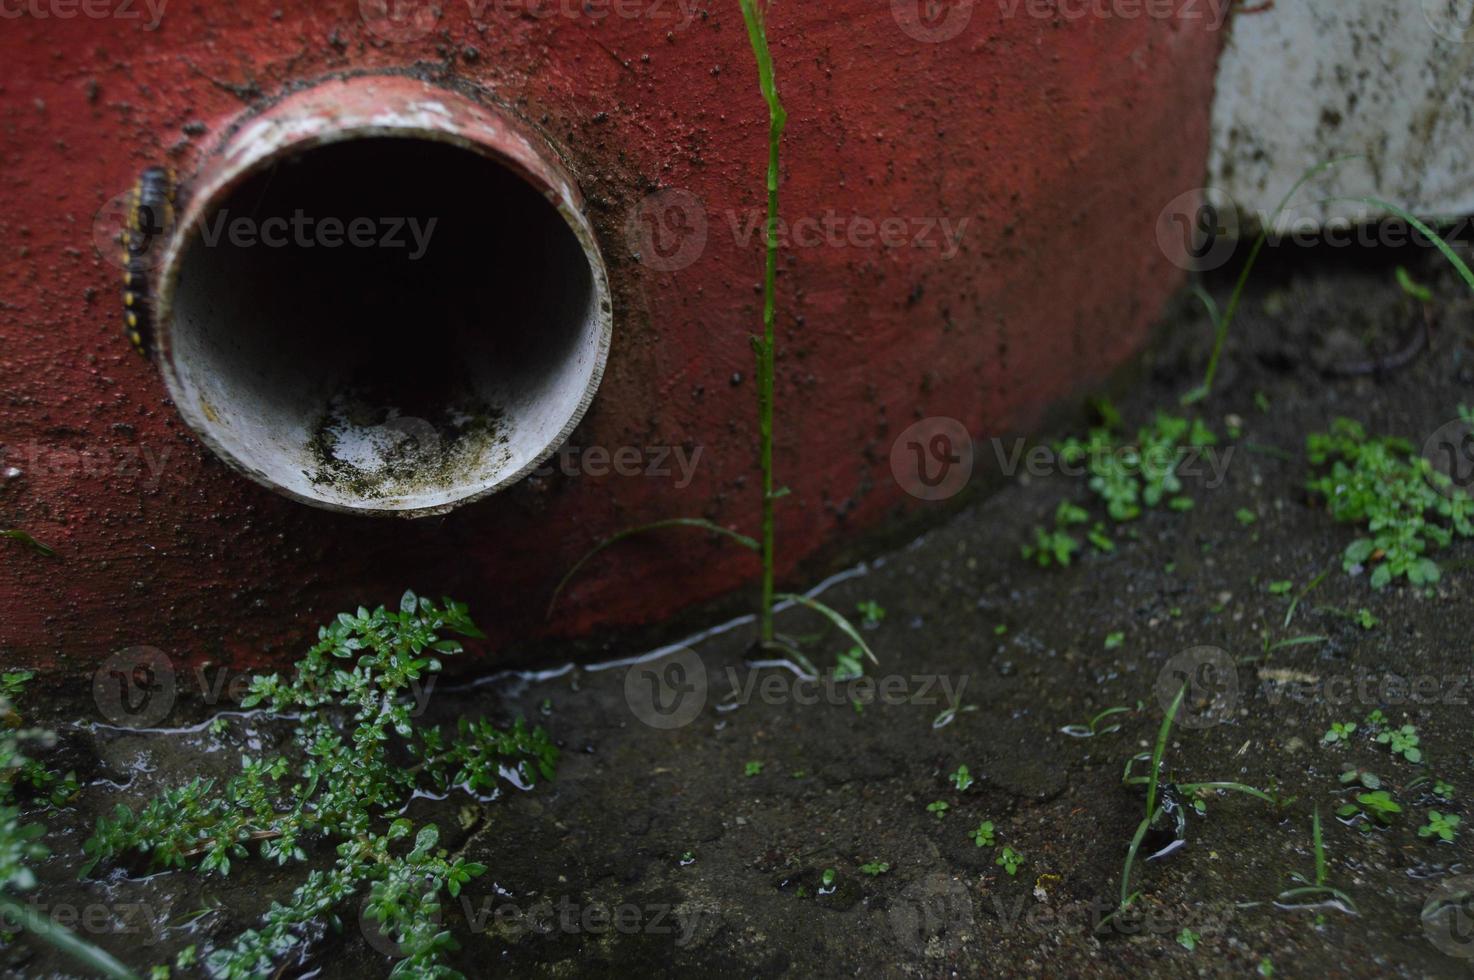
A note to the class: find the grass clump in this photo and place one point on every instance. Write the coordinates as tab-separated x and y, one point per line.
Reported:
1407	505
356	758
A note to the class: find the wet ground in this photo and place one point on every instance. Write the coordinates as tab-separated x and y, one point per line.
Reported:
701	800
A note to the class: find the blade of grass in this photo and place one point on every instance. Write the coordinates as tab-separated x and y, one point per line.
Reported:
25	538
757	36
845	626
1151	794
1303	593
613	539
1433	236
1226	321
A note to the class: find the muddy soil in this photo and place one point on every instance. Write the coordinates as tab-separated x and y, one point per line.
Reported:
702	845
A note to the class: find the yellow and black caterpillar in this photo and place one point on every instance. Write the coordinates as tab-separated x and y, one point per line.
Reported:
150	215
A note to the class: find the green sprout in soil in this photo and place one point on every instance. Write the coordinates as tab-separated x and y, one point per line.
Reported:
1361	777
1443	790
827	881
1129	476
20	842
871	613
1377	806
1158	808
874	868
938	808
962	778
344	779
1317	888
1114	640
764	348
1403	741
1280	588
1188	939
849	665
983	835
753	768
1009	860
1340	732
1057	547
1376	719
1409	507
1441	825
1245	517
1092	728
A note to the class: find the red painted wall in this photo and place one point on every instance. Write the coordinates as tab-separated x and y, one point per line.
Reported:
1059	139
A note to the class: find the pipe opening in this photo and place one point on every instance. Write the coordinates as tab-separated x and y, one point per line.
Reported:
384	324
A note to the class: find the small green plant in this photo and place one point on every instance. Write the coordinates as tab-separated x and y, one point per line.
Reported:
1156	809
871	613
1409	507
1245	516
1316	888
1366	620
1403	741
1443	790
1092	728
1280	588
1340	732
1143	473
849	665
1009	860
1378	806
753	768
938	808
1188	939
1441	825
343	779
874	868
1114	640
28	541
961	779
1362	777
982	836
827	881
1057	547
1376	719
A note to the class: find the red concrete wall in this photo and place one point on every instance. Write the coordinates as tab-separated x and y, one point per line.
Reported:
1060	139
